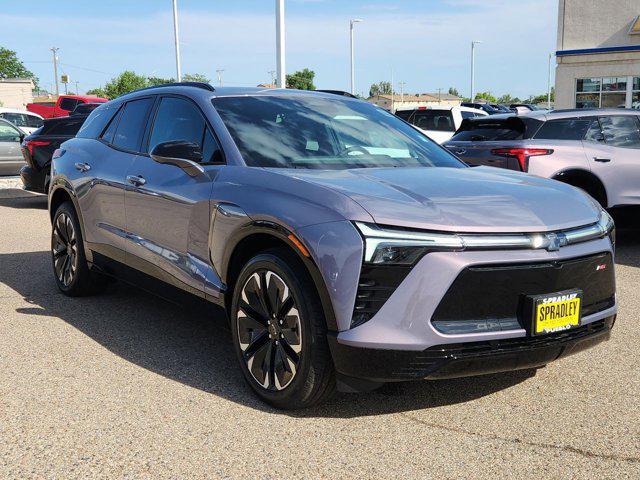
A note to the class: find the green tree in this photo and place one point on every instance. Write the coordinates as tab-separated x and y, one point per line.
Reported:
12	67
195	77
453	91
153	81
98	92
301	80
126	82
486	96
380	88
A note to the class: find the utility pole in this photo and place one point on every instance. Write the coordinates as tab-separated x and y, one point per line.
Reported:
549	84
273	76
176	41
353	74
280	45
473	67
219	72
393	96
55	68
402	84
439	96
77	91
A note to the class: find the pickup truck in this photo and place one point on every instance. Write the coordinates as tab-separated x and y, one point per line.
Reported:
63	106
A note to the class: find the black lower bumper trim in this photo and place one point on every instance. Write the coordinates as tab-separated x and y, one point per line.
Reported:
466	359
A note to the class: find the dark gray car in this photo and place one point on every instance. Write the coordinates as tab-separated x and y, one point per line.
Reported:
348	249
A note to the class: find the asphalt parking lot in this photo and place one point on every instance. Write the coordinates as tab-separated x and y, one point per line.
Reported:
124	385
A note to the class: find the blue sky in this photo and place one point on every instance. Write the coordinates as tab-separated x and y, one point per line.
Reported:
425	42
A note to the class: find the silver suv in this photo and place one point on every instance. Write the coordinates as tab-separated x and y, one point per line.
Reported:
596	150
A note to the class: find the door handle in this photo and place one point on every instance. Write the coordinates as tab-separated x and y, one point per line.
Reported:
83	167
601	160
136	180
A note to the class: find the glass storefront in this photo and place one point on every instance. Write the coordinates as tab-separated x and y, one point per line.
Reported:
608	92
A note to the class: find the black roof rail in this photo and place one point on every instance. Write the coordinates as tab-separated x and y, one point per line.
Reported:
202	85
338	92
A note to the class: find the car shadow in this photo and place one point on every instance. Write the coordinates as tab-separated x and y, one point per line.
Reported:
22	199
192	345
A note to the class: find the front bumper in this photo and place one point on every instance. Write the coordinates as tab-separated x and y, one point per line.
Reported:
400	342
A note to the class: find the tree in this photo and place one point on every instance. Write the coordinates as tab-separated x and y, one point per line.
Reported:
153	81
453	91
126	82
486	96
380	88
195	77
301	80
12	67
98	92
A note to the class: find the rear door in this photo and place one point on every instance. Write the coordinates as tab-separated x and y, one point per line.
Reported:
168	211
612	147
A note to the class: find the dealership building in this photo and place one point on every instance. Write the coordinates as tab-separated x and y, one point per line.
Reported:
598	54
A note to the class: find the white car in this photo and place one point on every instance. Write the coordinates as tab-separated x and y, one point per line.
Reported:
438	123
26	121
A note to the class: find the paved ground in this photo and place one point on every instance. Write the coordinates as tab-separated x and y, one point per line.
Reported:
123	385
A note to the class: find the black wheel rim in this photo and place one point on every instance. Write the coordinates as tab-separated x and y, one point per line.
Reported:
269	330
64	249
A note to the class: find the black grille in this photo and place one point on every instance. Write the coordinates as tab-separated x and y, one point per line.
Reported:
496	292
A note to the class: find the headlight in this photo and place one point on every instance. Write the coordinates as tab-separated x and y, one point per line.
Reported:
395	246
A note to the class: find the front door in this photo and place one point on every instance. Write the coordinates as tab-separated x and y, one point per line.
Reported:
168	211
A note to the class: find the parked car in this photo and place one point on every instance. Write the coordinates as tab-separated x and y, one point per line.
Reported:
523	108
347	248
27	122
490	108
63	106
440	123
38	148
85	108
10	157
596	150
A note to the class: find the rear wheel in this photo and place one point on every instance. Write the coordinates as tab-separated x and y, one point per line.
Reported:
279	332
67	255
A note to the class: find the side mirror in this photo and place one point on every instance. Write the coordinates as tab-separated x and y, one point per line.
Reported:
185	155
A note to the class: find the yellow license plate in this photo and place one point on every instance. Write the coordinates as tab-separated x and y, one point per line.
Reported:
557	312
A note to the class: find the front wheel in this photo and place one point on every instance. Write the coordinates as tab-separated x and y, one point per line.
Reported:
279	332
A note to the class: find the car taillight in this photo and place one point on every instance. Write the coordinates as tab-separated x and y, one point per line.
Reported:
522	154
35	143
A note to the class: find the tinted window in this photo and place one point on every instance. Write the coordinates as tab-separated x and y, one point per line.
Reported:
565	129
68	103
65	128
211	152
467	114
621	131
177	119
18	119
308	131
438	120
8	133
95	123
594	133
33	121
132	124
109	133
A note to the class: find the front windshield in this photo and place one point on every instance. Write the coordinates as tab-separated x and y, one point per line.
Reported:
309	131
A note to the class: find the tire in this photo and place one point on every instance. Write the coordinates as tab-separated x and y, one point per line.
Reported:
70	268
284	356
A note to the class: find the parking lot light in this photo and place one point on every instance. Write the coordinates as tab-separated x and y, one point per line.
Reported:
473	66
353	81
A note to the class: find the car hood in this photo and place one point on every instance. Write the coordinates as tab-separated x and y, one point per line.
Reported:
481	199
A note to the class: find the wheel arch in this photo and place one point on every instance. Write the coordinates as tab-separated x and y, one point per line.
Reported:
261	236
586	180
57	196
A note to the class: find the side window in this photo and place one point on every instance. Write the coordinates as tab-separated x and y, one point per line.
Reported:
594	132
110	132
66	128
8	133
132	125
68	103
563	129
33	121
178	119
468	114
95	122
621	131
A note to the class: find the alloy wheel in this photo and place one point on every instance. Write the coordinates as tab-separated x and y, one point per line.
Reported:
64	249
269	330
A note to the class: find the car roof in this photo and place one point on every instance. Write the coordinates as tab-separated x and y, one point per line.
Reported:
16	110
579	112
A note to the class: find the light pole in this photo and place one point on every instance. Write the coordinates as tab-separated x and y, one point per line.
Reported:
280	45
353	75
176	40
549	84
473	67
402	84
77	91
55	68
219	72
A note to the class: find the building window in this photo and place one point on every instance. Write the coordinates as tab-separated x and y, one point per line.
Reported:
607	92
635	95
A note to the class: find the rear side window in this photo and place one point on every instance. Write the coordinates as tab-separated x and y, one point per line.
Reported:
95	122
65	128
621	131
487	129
132	124
564	129
68	103
435	120
33	121
18	119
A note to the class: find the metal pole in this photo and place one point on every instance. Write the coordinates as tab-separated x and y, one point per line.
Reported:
280	45
402	84
77	91
549	84
353	74
177	41
55	68
219	72
473	66
393	97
